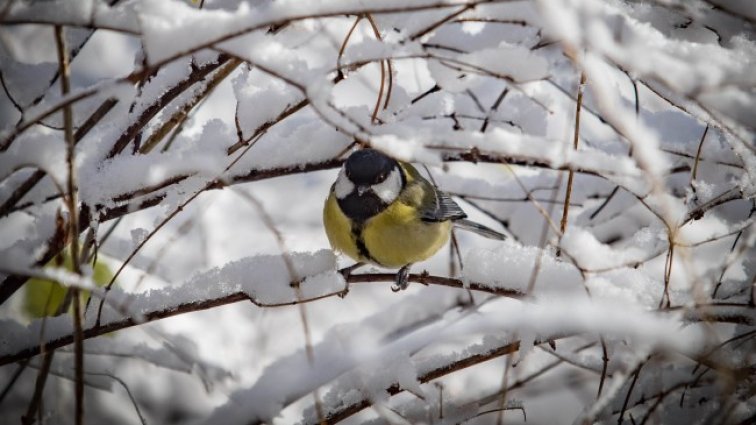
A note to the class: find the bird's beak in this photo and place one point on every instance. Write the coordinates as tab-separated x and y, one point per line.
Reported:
362	189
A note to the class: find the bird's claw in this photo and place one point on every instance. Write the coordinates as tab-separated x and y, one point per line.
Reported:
402	279
343	293
346	272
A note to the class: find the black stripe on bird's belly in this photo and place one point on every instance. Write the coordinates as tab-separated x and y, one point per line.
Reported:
360	208
357	228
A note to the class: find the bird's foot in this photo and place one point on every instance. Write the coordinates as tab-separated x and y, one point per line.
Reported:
402	279
346	272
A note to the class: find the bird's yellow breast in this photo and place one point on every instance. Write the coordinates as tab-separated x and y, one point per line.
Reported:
338	228
393	238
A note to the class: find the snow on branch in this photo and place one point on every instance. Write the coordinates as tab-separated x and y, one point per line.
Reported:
263	280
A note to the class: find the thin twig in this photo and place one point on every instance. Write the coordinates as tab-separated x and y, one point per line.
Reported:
327	13
29	417
197	74
295	279
179	116
14	377
604	204
352	408
698	155
128	393
571	173
493	109
377	33
73	220
24	188
667	274
346	41
604	366
440	22
504	391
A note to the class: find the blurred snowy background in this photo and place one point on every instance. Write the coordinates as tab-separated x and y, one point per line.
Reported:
207	135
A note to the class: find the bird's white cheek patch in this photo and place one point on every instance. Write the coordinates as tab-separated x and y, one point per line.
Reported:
388	190
343	186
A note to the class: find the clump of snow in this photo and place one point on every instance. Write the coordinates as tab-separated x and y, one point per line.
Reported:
38	149
267	280
511	266
84	13
258	105
584	248
126	174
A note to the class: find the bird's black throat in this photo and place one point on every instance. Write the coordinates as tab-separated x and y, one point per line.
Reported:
361	207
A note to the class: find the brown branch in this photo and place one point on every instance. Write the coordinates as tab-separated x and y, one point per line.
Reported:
522	199
275	23
73	53
351	409
141	244
197	74
493	109
441	21
293	276
235	297
710	118
576	139
605	203
9	95
723	198
289	111
698	155
724	8
693	157
29	417
668	274
128	393
517	22
73	222
36	177
251	176
65	102
346	41
13	282
377	33
180	115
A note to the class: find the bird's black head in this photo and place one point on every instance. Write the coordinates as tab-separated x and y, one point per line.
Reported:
367	167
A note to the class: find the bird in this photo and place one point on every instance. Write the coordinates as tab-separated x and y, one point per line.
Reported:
382	211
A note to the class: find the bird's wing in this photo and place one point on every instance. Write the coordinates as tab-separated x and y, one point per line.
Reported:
442	208
432	204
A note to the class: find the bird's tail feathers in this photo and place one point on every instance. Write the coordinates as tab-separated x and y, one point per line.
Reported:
479	229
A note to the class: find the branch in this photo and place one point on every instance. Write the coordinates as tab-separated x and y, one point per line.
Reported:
283	21
197	74
234	297
28	184
73	223
352	408
179	116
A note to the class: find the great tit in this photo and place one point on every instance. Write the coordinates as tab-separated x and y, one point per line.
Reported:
382	211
